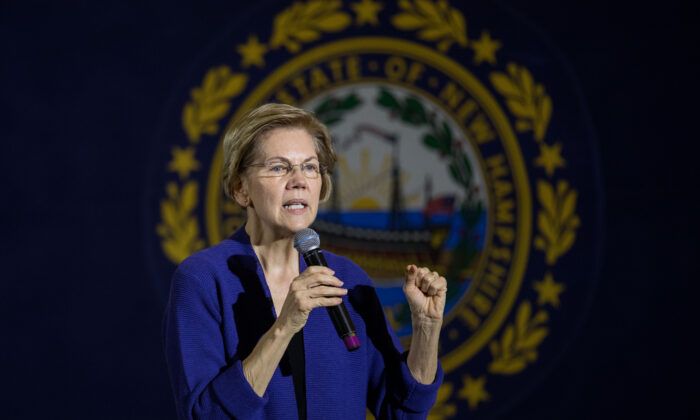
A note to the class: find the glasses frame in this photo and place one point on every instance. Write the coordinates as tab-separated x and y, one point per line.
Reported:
290	167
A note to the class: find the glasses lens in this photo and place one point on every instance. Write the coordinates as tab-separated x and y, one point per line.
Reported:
310	169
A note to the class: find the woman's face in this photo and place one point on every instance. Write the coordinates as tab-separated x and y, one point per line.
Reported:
283	204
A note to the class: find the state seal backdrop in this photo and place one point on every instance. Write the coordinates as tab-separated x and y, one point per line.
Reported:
463	146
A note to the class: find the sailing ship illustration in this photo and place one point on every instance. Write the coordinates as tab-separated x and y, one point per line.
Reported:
383	248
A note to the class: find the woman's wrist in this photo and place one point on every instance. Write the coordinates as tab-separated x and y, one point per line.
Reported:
261	363
281	331
425	322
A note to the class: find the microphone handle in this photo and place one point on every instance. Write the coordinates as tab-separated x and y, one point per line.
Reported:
339	313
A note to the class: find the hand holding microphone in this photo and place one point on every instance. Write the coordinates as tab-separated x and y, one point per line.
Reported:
313	288
307	242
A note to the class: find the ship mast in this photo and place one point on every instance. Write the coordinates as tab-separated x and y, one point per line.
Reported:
396	214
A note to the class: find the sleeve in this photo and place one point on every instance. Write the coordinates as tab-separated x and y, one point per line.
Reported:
403	397
205	384
393	392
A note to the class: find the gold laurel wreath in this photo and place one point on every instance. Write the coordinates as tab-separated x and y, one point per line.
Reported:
179	229
211	101
302	23
556	221
519	341
436	21
526	100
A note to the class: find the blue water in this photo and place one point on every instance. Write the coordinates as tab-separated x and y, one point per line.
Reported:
379	219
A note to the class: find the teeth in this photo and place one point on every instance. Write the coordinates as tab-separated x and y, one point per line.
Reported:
294	206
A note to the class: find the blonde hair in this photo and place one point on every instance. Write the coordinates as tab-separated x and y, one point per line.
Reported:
242	141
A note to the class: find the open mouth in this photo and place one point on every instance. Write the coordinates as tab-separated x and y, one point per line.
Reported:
295	205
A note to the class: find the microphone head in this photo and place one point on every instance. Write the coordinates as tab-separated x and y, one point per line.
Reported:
306	240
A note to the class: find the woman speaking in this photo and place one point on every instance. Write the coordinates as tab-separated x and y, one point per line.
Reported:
242	337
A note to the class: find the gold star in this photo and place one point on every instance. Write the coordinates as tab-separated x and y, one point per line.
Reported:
548	291
366	12
473	391
183	161
252	52
550	158
485	49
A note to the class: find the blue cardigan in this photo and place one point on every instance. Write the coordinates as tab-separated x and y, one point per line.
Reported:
220	306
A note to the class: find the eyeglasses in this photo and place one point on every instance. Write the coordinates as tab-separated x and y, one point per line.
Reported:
279	167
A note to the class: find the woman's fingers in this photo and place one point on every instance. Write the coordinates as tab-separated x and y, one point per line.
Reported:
315	287
425	291
423	278
317	269
315	276
327	301
306	300
325	291
321	296
429	282
437	286
433	283
427	278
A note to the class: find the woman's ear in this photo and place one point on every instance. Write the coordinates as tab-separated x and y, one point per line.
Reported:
240	192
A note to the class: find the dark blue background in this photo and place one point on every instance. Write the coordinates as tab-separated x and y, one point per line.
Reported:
84	88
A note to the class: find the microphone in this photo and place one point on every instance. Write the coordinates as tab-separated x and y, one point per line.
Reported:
307	242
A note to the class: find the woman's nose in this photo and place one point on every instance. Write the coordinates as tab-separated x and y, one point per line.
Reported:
296	177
